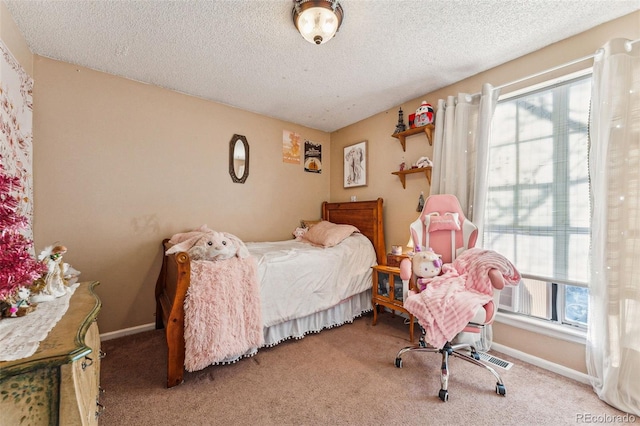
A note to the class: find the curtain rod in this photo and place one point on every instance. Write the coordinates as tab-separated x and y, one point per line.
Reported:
547	71
559	67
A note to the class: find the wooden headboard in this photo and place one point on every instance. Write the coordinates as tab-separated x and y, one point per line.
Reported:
364	215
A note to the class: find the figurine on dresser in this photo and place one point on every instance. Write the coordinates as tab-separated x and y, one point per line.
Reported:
53	283
18	305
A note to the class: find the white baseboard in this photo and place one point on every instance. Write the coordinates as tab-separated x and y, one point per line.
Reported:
127	331
543	363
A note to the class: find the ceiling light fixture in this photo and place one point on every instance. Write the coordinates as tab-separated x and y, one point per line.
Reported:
317	20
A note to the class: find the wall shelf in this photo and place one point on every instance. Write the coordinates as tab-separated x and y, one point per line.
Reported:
402	174
401	136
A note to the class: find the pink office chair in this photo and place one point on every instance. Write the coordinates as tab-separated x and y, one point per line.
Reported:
442	227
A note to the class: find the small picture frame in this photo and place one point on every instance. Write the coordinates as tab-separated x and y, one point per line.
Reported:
355	165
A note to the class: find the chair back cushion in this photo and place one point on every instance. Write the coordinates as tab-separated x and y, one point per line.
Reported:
443	227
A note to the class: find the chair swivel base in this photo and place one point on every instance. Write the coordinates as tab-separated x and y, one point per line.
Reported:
451	350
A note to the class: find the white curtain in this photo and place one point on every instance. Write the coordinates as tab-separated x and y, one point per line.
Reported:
613	338
460	151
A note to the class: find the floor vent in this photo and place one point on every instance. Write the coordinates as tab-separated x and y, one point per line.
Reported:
495	360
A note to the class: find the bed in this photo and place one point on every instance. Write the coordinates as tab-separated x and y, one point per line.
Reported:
174	280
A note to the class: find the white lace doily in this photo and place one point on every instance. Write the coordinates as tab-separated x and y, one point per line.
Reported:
21	336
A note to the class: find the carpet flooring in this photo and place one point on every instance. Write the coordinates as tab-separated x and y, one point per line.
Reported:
341	376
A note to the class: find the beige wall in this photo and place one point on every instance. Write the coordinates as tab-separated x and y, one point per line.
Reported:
385	154
12	38
120	165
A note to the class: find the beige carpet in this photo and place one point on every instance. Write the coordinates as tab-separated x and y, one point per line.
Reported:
341	376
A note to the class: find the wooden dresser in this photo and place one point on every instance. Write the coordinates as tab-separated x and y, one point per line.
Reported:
59	383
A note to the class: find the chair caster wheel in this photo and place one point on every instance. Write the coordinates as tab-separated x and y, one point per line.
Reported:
501	390
399	362
444	395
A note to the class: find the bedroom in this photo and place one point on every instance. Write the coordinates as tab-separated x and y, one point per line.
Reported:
108	151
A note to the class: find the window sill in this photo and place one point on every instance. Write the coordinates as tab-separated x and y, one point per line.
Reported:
560	332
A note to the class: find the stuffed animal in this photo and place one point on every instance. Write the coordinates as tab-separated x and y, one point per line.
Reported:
19	305
218	246
299	233
424	162
207	244
425	265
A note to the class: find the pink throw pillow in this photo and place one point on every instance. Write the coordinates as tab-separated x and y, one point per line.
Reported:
328	234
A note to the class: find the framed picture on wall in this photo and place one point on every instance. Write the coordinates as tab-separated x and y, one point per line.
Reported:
355	165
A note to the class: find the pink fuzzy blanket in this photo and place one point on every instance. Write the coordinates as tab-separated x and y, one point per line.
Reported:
451	300
223	319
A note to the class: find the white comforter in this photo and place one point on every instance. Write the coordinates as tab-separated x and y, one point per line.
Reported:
298	279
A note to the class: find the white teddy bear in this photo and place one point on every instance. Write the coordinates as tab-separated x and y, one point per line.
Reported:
207	244
423	266
218	246
426	265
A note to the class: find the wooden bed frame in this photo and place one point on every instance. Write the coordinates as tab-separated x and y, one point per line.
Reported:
174	278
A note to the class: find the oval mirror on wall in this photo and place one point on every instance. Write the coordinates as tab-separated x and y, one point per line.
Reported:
239	158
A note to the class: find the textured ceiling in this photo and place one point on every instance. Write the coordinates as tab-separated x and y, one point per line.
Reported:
248	54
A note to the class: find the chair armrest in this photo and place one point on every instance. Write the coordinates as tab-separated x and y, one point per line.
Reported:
497	280
405	269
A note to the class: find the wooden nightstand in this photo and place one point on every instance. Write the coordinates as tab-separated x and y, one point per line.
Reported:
387	292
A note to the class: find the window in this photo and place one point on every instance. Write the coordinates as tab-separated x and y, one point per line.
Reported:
537	211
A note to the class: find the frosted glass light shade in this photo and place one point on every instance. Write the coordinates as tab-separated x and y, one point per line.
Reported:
317	20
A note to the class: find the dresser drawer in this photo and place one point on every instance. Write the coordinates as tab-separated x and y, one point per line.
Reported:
80	383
